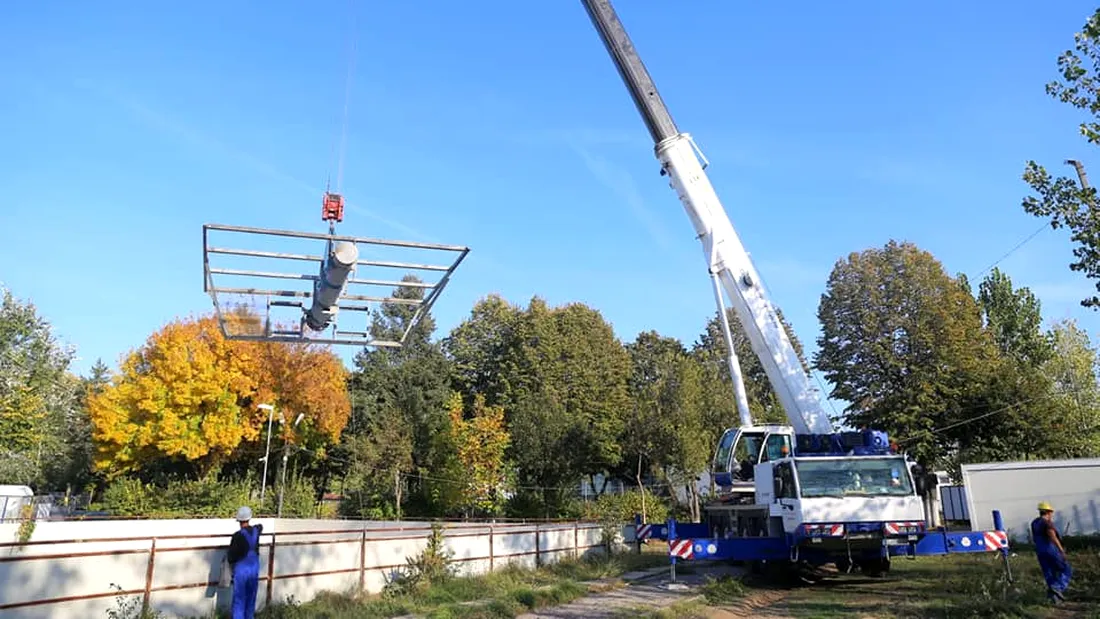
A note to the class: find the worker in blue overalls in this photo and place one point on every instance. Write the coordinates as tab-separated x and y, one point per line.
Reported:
1051	553
244	557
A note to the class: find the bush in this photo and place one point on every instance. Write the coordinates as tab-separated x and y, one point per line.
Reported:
178	499
620	508
430	567
299	498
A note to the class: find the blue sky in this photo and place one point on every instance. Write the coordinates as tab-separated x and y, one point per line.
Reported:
503	126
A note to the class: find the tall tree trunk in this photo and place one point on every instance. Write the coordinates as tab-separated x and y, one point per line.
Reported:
641	488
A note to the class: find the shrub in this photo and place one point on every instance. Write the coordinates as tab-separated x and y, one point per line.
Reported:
182	498
620	508
430	567
299	498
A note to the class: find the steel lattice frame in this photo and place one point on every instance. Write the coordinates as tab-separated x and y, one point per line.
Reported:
350	299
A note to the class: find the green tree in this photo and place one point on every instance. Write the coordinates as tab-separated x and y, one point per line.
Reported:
478	347
1014	319
1063	200
1011	419
379	462
665	427
712	352
566	393
1076	395
39	398
74	470
904	344
406	386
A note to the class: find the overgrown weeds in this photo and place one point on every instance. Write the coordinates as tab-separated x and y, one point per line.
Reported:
429	587
723	590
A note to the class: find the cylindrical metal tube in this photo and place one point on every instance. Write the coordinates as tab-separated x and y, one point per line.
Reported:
329	286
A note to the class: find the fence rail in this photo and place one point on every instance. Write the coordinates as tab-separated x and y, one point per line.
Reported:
521	538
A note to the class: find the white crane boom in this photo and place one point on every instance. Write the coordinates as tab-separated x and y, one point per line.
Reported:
726	257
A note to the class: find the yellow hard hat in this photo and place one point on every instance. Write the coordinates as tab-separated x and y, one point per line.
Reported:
1045	507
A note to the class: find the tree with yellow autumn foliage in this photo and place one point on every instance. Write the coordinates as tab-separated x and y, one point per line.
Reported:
480	442
190	394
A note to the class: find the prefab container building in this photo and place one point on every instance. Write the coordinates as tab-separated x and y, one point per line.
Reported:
1016	488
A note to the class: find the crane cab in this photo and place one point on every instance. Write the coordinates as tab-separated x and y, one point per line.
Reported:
741	449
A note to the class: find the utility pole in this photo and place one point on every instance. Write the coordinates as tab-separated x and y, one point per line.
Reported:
270	416
1080	167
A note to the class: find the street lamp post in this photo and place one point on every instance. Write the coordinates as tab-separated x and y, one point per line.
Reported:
286	452
270	416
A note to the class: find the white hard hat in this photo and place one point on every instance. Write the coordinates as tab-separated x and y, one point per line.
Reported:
244	514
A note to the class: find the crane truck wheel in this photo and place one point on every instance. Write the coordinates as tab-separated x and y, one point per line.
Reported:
875	568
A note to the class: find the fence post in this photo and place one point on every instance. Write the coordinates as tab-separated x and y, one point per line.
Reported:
490	548
538	557
270	570
576	540
363	561
149	576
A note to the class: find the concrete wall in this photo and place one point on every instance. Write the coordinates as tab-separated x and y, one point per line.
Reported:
1016	488
80	561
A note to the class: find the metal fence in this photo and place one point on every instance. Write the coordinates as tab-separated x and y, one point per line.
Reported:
491	545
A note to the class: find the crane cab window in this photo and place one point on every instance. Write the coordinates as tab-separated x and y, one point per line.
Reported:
778	446
783	476
722	462
746	453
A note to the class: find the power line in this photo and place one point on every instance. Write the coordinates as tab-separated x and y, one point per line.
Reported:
1014	249
968	420
1082	178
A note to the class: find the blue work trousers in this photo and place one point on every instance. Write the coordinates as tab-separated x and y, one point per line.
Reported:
246	580
1056	570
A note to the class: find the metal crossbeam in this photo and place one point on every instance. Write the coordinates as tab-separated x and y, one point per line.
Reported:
258	323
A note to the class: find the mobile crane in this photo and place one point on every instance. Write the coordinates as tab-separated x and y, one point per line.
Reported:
803	492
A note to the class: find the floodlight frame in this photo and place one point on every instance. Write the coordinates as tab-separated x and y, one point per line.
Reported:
331	334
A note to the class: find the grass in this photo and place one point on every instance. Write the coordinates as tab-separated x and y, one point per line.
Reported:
942	587
693	609
504	593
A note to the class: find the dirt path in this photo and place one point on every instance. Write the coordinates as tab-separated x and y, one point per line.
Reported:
649	593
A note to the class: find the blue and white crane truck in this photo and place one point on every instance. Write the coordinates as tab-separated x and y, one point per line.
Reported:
799	494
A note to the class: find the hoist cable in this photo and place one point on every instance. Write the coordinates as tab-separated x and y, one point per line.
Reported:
347	97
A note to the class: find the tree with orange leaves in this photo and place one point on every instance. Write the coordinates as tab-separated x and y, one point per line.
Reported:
190	394
308	379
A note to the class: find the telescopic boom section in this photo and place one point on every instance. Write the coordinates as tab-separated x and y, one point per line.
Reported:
725	255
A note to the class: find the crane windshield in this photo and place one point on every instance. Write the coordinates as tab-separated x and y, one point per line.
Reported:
827	477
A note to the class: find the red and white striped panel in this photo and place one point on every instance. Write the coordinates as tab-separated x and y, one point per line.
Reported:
995	540
681	549
891	528
644	531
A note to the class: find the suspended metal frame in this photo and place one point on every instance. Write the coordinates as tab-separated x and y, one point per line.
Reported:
353	298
